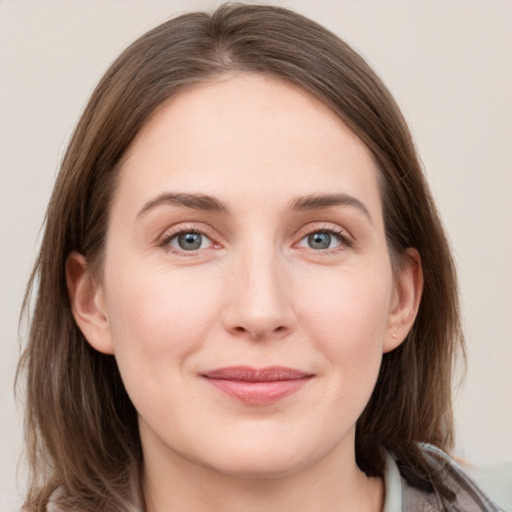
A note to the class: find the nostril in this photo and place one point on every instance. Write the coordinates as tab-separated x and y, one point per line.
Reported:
259	334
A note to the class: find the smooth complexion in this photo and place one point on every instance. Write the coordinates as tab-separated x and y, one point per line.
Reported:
247	232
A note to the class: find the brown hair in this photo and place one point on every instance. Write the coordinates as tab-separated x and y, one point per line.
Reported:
81	427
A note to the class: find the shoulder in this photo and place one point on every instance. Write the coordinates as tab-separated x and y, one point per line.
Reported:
496	480
468	495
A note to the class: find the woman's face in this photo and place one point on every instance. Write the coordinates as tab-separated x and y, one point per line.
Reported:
247	291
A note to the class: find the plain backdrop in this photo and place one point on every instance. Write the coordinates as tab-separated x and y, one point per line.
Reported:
449	65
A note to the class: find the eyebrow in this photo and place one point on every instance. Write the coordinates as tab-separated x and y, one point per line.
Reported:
321	201
194	201
209	203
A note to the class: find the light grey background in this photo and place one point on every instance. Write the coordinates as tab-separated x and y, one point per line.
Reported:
449	65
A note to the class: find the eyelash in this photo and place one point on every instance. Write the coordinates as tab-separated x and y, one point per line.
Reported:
340	234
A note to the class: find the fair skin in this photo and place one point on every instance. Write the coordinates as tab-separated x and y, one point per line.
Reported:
256	275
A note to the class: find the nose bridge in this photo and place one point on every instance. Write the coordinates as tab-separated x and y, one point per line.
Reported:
260	303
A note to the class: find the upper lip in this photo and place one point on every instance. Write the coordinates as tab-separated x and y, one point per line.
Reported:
248	374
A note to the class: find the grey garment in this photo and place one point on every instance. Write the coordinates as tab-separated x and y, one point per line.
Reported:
469	497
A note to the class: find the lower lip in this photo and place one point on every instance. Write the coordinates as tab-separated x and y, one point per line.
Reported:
259	393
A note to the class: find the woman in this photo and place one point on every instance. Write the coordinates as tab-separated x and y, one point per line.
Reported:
245	296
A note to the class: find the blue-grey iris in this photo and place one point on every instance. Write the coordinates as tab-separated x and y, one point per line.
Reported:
190	241
319	240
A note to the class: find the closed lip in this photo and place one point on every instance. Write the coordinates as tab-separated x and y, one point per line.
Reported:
257	386
249	374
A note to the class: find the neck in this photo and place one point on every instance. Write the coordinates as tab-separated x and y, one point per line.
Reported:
331	485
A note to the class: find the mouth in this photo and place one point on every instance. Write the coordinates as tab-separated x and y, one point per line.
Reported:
257	386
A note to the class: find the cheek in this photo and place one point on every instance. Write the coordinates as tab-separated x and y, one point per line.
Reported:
160	306
157	321
347	319
350	305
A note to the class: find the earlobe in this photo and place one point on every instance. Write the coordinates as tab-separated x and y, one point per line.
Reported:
406	300
88	304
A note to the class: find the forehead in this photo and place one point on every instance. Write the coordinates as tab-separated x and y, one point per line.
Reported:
250	132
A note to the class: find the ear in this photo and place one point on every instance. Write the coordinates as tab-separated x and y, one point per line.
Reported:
88	304
406	300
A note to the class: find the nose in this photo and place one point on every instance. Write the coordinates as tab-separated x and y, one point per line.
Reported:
259	305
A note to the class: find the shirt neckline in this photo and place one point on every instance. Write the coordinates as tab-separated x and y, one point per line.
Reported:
392	486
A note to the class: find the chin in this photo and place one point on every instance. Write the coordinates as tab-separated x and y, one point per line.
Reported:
262	458
251	466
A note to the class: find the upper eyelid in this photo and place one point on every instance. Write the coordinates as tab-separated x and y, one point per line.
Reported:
323	226
173	235
185	227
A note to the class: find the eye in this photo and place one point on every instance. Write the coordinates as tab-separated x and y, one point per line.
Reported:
324	239
320	240
188	241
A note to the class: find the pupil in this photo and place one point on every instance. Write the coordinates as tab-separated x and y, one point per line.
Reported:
319	240
189	241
